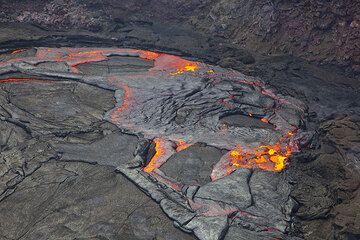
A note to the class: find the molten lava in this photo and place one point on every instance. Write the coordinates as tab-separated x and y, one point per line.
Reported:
163	150
126	97
149	55
177	65
267	157
186	68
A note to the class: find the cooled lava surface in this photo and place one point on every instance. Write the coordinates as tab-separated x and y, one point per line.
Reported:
183	102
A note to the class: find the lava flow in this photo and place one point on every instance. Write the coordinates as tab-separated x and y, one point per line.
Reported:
163	151
170	101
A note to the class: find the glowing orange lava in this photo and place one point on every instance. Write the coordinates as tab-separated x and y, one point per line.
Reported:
163	150
189	67
160	153
126	98
149	55
267	157
175	64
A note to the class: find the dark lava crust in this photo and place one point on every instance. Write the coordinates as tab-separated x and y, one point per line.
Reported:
59	155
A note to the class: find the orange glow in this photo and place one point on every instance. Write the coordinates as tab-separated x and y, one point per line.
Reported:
18	51
264	120
267	157
160	152
125	101
181	145
163	150
149	55
190	67
177	65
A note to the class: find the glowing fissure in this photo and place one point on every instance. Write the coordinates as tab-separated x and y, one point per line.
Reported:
126	97
18	51
163	150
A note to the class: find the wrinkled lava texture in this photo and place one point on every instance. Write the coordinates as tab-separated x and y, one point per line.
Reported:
176	103
182	101
267	151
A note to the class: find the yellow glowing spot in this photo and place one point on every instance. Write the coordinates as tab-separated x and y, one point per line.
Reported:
279	166
210	71
190	67
272	151
235	154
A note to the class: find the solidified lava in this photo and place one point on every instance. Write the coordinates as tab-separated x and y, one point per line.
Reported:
182	99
